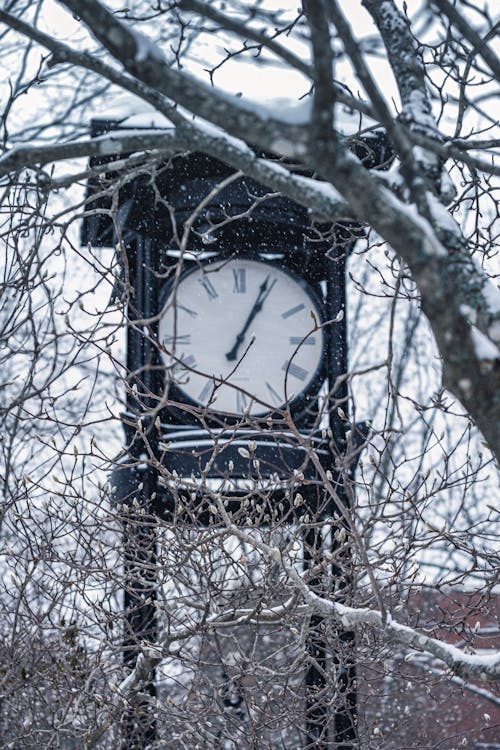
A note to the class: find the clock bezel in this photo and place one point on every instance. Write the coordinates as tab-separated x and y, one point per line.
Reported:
301	402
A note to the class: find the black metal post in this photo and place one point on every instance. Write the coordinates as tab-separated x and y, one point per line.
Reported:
325	727
139	533
317	711
139	726
345	714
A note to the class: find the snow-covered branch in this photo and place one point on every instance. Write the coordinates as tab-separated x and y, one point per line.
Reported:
146	62
481	667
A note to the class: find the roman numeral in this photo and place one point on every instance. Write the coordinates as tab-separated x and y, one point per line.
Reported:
189	361
241	401
206	391
275	397
239	280
296	340
292	311
179	340
191	313
208	287
295	370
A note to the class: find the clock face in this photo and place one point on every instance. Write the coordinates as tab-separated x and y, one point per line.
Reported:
241	336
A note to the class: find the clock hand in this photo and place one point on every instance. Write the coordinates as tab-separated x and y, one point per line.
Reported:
264	292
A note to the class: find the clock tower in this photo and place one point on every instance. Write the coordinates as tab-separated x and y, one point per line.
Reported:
237	363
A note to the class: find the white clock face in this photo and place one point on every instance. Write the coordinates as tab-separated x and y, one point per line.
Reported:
241	336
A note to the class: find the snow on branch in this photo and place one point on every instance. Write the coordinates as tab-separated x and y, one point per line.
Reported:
424	663
28	156
249	121
481	667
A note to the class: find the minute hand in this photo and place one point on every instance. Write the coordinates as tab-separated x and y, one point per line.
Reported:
264	292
